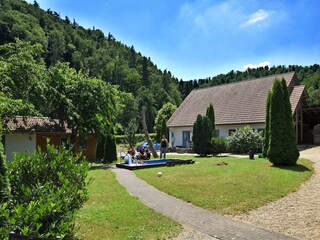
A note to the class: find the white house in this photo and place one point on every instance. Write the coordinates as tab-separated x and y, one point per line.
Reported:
237	105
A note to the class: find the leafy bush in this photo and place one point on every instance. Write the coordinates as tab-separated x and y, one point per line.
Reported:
219	145
245	139
46	190
4	181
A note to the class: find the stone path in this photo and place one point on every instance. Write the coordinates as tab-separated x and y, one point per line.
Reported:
204	221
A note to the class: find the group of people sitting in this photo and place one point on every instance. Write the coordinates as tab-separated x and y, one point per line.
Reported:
144	154
131	155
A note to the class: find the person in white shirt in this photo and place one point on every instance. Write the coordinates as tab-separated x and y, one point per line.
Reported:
128	158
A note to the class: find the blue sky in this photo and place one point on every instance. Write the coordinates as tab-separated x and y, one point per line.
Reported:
202	38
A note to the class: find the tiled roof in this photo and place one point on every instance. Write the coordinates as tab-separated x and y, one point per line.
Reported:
296	95
236	103
27	124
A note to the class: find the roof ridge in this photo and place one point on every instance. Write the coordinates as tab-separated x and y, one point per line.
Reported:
245	80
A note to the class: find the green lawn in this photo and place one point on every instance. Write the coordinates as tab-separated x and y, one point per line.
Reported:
237	187
112	213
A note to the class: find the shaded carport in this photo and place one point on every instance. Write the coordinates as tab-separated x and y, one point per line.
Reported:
309	118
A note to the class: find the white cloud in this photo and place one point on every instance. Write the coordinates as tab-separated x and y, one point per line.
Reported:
259	16
262	64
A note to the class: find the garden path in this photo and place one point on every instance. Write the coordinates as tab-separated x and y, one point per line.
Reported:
201	223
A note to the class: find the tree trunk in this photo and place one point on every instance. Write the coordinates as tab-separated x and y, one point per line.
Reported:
146	133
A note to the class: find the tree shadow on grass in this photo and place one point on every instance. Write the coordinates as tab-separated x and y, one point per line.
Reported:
101	166
210	156
297	168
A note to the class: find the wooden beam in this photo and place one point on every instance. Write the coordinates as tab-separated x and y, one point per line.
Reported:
297	125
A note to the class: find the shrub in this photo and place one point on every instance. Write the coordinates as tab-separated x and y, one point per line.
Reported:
4	181
283	148
210	115
110	150
201	138
219	145
266	132
245	139
46	191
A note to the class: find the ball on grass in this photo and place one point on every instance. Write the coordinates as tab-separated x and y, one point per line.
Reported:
159	174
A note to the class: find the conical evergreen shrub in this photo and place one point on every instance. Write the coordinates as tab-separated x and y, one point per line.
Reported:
202	133
210	115
292	151
266	130
282	149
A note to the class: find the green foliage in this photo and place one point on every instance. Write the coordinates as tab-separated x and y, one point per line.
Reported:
245	139
87	51
110	151
290	144
266	130
210	115
47	189
219	145
140	137
163	116
4	181
164	129
201	138
100	148
15	107
131	139
282	144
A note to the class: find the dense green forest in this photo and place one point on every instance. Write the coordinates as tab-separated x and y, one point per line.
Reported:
58	45
51	66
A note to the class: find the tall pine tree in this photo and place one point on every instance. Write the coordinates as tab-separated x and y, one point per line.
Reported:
210	115
201	137
282	149
290	143
266	130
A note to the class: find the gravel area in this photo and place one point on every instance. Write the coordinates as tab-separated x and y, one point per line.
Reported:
297	214
189	233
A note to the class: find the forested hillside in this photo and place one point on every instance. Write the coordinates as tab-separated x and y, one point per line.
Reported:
51	66
307	75
61	40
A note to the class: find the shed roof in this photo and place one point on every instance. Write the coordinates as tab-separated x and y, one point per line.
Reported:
235	103
29	124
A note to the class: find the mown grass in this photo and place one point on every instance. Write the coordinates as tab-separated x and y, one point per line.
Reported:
228	185
112	213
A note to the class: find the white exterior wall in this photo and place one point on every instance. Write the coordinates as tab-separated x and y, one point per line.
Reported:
176	140
19	143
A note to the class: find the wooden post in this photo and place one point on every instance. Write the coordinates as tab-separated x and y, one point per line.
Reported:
146	133
301	124
297	125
